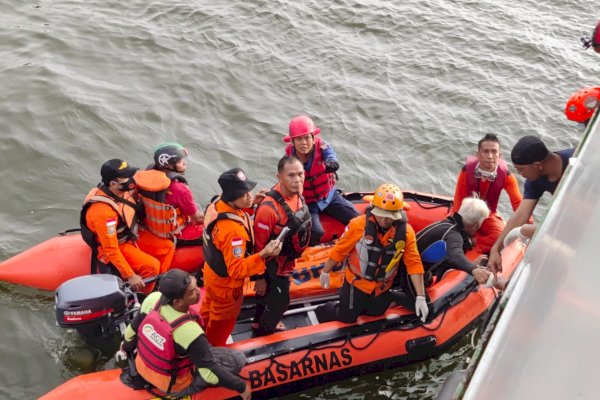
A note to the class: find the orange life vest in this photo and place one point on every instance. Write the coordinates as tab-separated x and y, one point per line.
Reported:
372	265
213	256
162	219
126	210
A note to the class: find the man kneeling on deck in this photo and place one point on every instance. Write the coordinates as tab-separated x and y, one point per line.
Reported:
172	351
456	232
375	243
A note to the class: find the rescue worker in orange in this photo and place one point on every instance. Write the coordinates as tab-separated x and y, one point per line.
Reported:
228	251
320	166
172	351
109	226
282	207
485	175
170	208
377	245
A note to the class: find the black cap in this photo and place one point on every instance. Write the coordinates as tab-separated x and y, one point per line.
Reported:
116	168
529	149
174	283
235	184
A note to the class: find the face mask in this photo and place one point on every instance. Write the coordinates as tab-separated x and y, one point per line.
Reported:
128	185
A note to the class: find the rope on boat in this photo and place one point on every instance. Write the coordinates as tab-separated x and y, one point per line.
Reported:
348	340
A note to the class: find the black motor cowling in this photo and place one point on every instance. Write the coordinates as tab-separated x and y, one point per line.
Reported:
93	304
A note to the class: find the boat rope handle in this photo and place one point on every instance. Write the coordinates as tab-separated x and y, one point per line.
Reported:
348	340
312	348
425	206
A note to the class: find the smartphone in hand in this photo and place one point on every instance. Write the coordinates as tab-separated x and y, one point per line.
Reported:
283	234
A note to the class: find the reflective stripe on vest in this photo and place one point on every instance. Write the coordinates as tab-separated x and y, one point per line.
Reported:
317	182
162	219
492	195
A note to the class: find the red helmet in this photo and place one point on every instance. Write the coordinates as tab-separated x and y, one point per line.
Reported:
301	125
582	104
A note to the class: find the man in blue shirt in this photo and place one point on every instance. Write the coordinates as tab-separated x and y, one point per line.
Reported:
542	171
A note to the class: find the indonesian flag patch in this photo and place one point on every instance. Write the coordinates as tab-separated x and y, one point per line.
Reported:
111	226
236	244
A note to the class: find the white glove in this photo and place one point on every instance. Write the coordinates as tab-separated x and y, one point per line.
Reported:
421	308
324	280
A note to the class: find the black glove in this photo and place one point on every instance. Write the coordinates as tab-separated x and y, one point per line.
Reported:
331	166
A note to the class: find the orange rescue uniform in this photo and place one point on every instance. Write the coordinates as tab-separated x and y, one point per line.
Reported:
224	295
346	246
103	220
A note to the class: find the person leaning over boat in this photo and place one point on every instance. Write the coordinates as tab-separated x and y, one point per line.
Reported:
228	250
581	105
172	351
456	231
109	225
542	171
375	244
486	174
282	207
320	165
170	208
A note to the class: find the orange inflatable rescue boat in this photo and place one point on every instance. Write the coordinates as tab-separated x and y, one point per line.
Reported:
55	261
311	353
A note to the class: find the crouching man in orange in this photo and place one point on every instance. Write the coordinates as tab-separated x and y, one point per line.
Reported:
228	246
172	351
375	243
109	226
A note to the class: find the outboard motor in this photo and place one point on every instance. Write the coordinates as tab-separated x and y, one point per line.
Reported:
95	305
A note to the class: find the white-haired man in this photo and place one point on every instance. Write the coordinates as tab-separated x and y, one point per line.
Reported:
456	231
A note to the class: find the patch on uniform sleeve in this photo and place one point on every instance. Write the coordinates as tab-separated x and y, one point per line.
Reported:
111	226
237	251
238	241
263	226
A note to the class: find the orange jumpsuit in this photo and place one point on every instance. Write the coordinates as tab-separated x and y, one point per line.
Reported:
494	224
104	221
224	295
161	248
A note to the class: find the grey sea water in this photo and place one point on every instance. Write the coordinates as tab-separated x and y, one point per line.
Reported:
402	89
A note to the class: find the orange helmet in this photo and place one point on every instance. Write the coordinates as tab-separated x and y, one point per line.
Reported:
301	125
388	201
581	106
